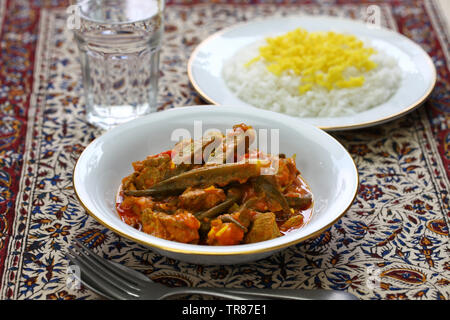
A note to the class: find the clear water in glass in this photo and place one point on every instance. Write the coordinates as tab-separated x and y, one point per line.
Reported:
119	43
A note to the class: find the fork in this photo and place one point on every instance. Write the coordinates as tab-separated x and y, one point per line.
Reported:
115	281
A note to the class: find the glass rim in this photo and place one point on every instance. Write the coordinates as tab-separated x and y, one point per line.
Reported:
161	7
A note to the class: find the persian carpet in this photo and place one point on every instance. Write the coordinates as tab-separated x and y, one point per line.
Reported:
393	243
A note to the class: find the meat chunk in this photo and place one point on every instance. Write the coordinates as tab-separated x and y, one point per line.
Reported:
293	222
197	199
264	227
137	205
148	172
287	172
181	226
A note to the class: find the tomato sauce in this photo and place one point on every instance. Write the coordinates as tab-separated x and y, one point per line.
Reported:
126	213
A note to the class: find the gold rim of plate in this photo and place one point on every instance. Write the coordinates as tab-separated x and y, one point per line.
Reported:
394	116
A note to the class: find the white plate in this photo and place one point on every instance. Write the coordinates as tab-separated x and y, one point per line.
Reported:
419	73
323	162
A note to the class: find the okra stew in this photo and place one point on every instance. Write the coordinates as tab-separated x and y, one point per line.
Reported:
216	190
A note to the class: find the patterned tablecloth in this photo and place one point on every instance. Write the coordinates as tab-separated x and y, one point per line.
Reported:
392	244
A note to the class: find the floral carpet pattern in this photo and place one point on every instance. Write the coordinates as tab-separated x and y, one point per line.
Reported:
393	243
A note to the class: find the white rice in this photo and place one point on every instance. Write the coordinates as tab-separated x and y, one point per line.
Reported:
261	88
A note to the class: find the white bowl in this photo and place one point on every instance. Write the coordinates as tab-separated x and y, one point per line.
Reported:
324	163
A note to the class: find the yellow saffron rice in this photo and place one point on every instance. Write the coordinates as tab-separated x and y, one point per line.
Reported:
319	58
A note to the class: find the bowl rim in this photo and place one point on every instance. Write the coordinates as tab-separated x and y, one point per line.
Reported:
220	250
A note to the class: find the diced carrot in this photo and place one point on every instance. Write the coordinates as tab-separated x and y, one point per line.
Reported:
224	234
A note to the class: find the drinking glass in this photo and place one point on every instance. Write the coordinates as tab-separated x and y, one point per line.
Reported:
119	43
